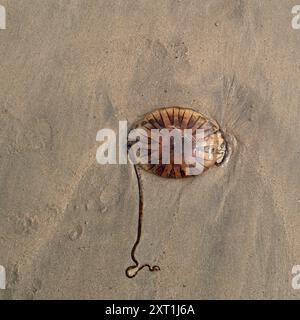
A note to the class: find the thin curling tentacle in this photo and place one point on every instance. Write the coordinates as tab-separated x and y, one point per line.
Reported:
132	271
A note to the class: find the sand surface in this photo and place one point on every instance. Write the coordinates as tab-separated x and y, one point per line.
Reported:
67	224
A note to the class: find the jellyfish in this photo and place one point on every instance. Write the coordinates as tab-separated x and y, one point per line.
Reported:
164	136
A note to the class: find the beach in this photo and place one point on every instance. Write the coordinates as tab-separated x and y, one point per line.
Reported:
70	68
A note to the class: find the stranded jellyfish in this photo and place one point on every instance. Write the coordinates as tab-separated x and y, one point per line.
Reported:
159	142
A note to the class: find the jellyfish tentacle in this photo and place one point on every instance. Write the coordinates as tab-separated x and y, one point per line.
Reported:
132	271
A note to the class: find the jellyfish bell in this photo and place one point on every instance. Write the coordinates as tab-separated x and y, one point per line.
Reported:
174	140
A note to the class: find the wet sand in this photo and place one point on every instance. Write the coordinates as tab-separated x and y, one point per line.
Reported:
67	224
